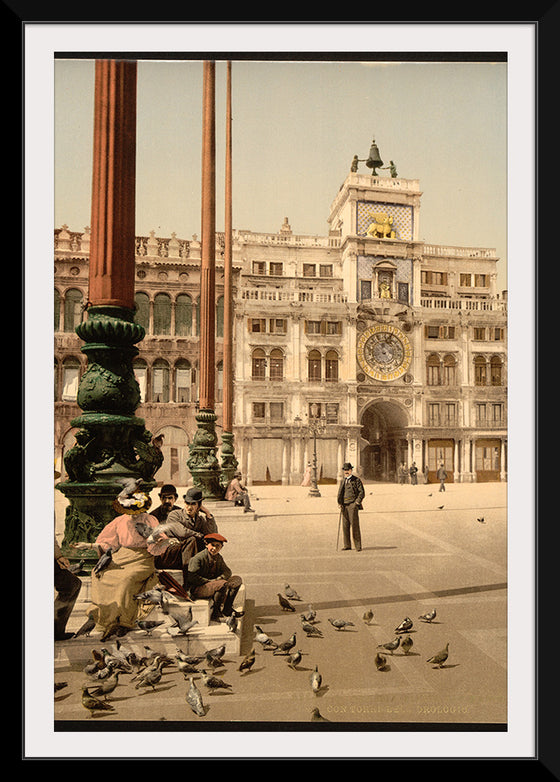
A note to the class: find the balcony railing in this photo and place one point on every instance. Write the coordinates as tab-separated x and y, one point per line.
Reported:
479	305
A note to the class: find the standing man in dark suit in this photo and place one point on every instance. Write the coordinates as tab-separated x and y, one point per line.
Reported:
350	496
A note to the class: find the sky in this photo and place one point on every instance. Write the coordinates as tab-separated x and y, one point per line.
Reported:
295	129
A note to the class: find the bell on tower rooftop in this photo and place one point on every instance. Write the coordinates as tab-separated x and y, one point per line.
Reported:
374	159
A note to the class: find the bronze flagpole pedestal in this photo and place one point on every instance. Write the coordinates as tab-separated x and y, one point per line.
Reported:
112	444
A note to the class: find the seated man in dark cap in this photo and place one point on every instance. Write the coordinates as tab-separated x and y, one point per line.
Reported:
186	528
208	576
167	497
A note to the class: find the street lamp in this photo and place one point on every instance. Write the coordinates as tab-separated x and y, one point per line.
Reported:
316	425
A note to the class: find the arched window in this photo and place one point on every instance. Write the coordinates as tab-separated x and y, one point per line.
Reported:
70	379
140	369
433	370
479	371
258	364
314	366
276	364
72	309
496	371
183	380
142	315
183	315
449	371
160	381
331	366
220	317
56	310
162	314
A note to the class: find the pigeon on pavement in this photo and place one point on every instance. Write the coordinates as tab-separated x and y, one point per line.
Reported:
214	682
407	644
106	686
310	615
148	625
380	661
390	646
264	639
194	698
405	625
286	646
291	593
86	628
429	616
247	662
311	630
294	659
93	704
316	680
368	616
340	624
440	657
285	604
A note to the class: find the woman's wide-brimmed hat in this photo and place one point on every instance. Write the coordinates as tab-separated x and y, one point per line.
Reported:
139	503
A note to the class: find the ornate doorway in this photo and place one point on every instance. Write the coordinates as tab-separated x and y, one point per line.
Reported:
383	440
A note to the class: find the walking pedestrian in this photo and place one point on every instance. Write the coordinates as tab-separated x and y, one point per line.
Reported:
350	497
441	476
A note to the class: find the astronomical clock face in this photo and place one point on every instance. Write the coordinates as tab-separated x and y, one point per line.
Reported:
384	352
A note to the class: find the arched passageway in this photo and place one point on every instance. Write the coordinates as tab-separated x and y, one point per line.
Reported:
383	440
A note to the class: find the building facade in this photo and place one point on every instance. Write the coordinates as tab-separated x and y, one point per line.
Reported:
364	345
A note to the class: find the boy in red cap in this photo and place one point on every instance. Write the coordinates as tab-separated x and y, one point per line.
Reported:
208	576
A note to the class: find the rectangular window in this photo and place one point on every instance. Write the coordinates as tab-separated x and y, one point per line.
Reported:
312	326
497	411
465	280
480	412
259	267
278	325
276	268
433	415
276	412
498	334
481	280
325	270
479	334
183	385
334	327
332	412
432	332
71	381
259	412
309	270
257	325
365	289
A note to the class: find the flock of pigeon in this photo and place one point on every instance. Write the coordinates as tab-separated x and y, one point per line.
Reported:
208	669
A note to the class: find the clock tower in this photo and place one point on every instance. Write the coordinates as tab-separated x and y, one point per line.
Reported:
376	218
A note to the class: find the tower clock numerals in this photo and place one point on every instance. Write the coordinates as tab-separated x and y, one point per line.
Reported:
384	352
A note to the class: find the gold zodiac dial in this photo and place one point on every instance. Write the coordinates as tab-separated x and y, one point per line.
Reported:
384	352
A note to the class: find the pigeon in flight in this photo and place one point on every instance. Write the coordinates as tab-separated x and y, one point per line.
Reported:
439	658
126	496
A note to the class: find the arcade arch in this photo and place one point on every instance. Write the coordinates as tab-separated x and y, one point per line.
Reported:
383	443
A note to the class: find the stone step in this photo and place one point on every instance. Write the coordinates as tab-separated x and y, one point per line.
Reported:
203	636
225	511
